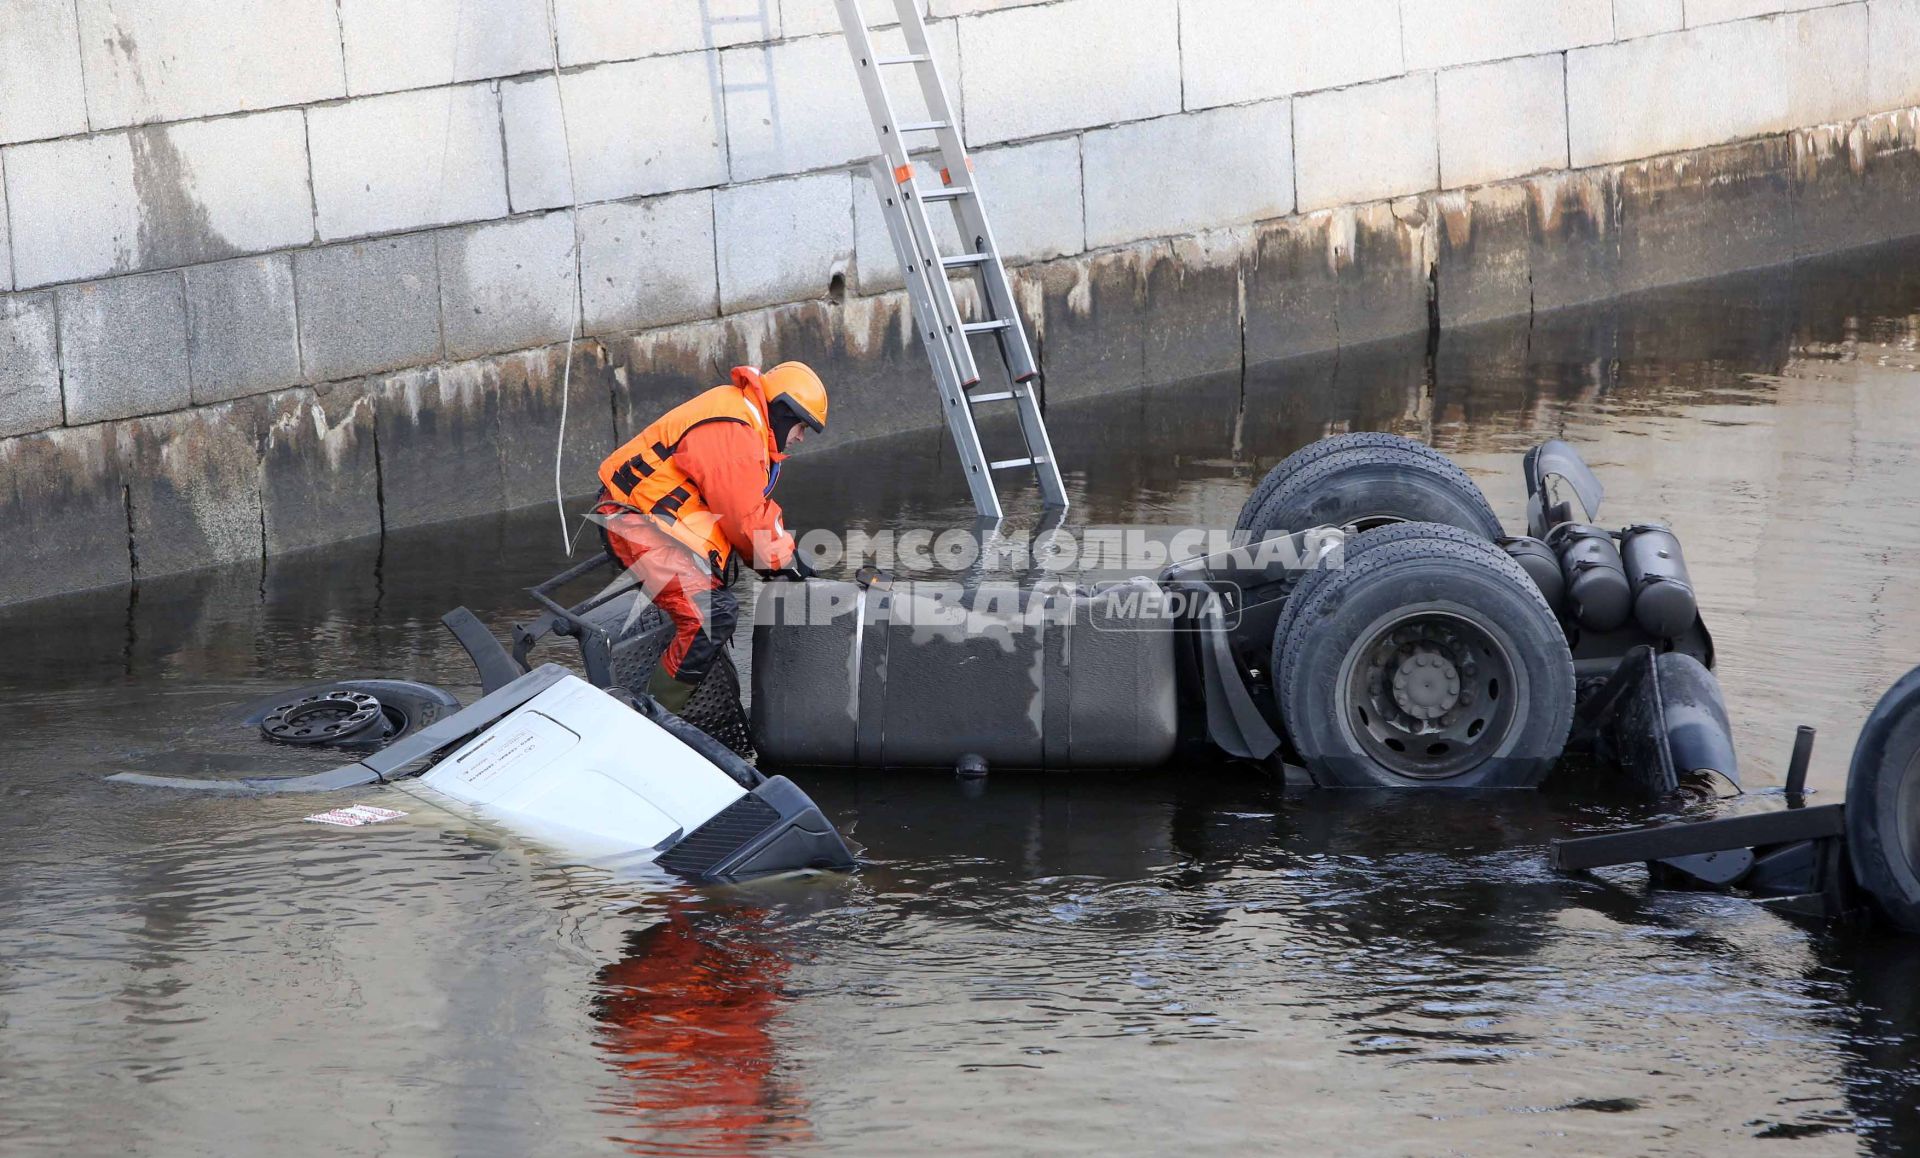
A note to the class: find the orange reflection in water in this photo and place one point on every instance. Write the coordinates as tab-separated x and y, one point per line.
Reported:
685	1019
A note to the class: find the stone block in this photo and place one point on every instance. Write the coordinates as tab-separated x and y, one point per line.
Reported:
1032	194
1443	33
594	31
1093	320
1046	69
1856	184
1893	40
6	244
1292	289
780	241
41	89
1483	245
1828	60
397	44
1702	12
529	399
1636	18
536	150
1574	231
1711	212
241	331
156	197
638	128
648	263
1384	255
367	306
168	60
1163	177
1714	84
436	424
1304	46
1665	93
820	18
63	507
1194	300
319	474
1661	93
797	106
123	347
405	160
507	285
29	364
193	486
1365	143
1502	120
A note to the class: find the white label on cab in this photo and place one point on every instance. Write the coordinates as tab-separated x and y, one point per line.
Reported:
504	759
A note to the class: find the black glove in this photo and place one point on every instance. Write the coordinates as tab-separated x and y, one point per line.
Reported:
799	570
871	577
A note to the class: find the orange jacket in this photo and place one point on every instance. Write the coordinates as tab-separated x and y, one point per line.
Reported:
703	473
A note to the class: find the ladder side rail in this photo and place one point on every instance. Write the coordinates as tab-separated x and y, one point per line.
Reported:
903	196
954	407
970	213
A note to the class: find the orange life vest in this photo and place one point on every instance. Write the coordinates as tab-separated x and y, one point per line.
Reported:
643	476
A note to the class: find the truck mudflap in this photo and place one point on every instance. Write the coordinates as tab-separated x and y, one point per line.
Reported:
1661	719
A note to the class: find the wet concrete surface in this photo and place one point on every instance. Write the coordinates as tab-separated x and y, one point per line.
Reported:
1193	959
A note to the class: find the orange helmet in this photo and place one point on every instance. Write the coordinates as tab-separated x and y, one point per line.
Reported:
800	389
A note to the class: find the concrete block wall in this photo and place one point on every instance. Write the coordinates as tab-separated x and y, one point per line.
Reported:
368	209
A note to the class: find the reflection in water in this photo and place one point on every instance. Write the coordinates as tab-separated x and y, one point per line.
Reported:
686	1019
1194	960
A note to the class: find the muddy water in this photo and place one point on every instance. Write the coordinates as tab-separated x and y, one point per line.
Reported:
1195	959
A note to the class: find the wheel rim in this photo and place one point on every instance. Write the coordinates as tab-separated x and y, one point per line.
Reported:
1430	692
327	718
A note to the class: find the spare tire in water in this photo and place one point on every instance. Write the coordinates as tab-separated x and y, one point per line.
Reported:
405	707
1366	486
1427	660
1883	805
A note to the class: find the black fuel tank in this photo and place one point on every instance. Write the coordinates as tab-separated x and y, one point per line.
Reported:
1663	599
922	674
1543	566
1597	589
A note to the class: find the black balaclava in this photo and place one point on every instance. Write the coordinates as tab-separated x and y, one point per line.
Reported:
783	419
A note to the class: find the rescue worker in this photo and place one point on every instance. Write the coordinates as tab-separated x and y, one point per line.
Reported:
689	497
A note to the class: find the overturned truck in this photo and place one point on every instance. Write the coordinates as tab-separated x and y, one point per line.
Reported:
1400	638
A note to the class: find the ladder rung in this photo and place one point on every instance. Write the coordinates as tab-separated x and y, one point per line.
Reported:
1000	396
915	58
986	327
966	259
924	127
953	194
1010	463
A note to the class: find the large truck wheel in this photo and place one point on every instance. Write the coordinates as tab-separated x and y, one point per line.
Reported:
1357	547
1883	805
1336	483
1315	451
1428	659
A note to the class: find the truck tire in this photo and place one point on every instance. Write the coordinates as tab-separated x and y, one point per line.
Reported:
1357	547
1883	805
1317	450
1370	485
1428	660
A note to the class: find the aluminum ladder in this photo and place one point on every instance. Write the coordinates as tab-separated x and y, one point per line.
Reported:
947	334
